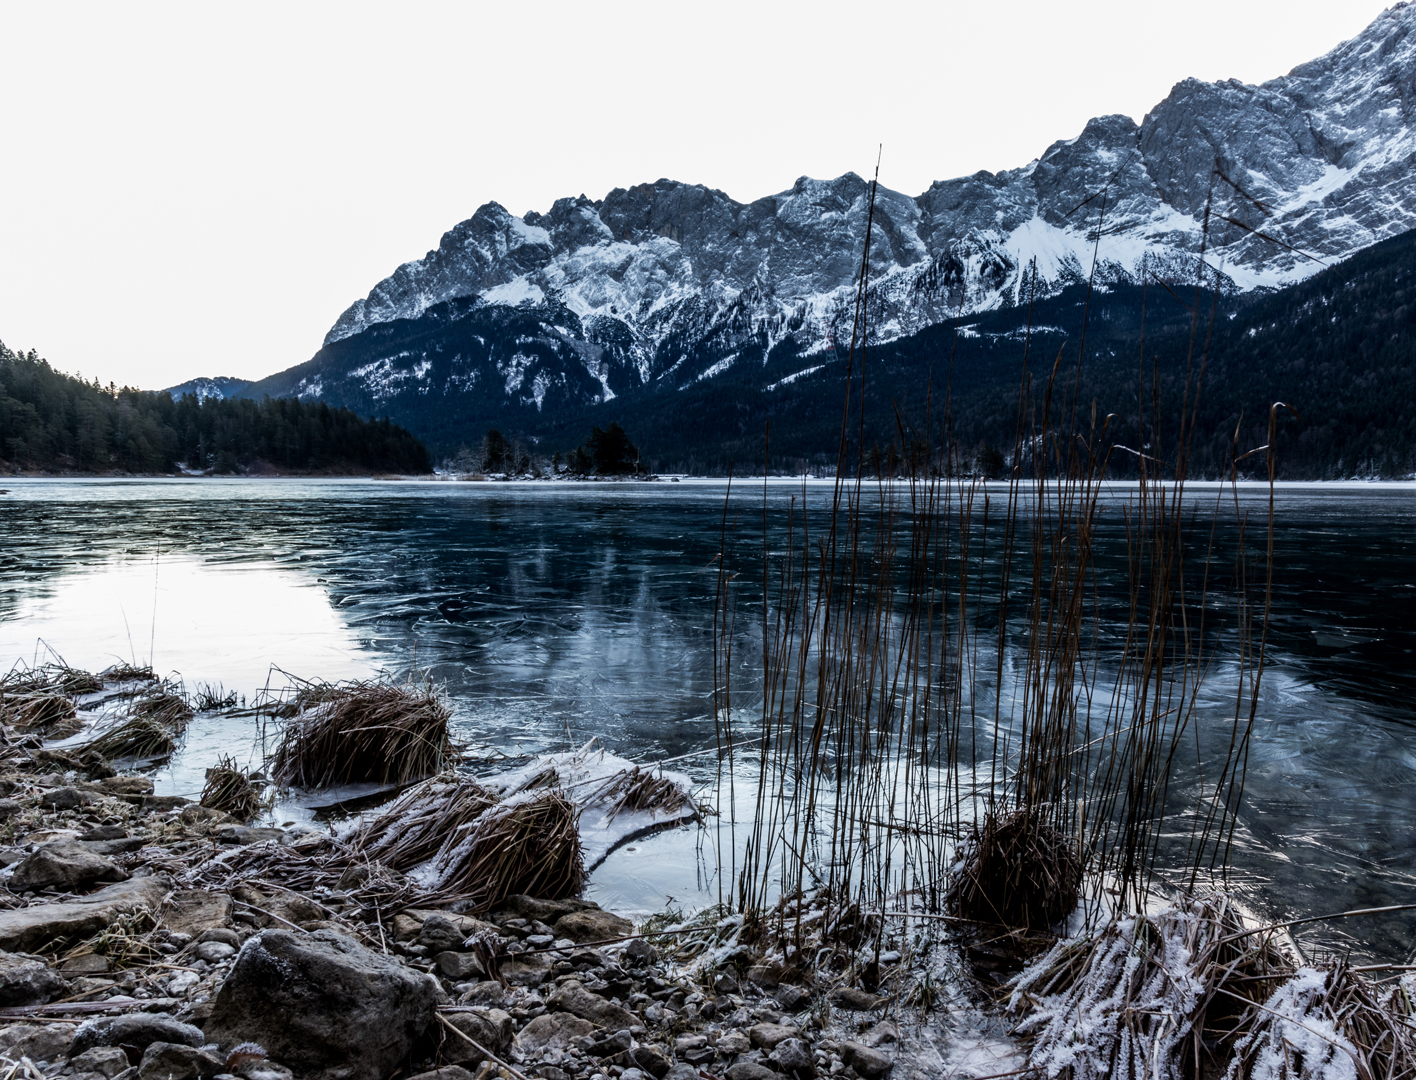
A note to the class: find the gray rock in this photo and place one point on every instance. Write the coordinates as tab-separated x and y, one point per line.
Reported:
108	1061
849	997
215	951
553	1031
459	966
135	1031
25	980
38	1042
491	1028
323	1004
767	1036
615	1042
9	808
195	911
750	1070
438	934
64	798
105	832
882	1034
447	1072
866	1060
526	969
793	1057
244	834
177	1061
572	997
651	1059
640	951
33	928
592	925
66	865
732	1043
262	1070
680	1072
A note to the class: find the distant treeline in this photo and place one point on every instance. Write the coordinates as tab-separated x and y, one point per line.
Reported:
55	422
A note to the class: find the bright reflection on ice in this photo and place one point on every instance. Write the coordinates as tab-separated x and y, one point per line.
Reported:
213	623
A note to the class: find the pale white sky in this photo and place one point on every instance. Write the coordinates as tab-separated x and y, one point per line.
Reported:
200	189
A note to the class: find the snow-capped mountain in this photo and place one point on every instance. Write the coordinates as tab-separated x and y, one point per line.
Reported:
663	285
215	388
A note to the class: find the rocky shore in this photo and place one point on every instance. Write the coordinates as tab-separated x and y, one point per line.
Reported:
153	938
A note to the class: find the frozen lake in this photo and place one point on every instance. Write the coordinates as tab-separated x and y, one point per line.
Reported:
554	613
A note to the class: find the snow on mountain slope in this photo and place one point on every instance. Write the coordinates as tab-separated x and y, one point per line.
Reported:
660	282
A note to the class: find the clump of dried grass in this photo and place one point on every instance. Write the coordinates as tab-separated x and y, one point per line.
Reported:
209	698
527	845
36	711
151	729
1018	872
230	789
124	673
1147	997
363	732
1326	1023
417	825
640	789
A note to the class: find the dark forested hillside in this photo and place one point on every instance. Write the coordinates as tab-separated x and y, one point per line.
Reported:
54	422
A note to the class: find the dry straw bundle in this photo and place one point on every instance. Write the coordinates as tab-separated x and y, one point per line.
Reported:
151	729
421	822
528	844
1019	873
230	789
363	732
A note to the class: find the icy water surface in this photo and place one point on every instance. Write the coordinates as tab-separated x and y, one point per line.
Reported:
554	613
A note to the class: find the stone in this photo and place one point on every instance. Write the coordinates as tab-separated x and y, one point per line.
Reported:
38	1042
438	935
486	993
866	1060
85	964
460	966
25	980
610	1044
213	952
110	848
125	785
767	1036
750	1070
105	832
492	1028
768	976
177	1061
244	834
203	819
65	865
680	1072
793	1057
194	911
881	1034
221	934
726	984
447	1072
651	1059
684	1043
108	1061
592	925
533	907
572	997
553	1031
856	1000
9	808
261	1069
640	951
160	803
793	998
64	798
323	1004
34	928
526	969
135	1032
733	1043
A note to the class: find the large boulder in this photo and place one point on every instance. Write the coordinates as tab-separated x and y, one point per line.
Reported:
25	980
66	865
323	1004
592	925
33	928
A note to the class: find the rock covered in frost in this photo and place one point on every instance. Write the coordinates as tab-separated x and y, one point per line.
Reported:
66	865
135	1032
25	980
323	1004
